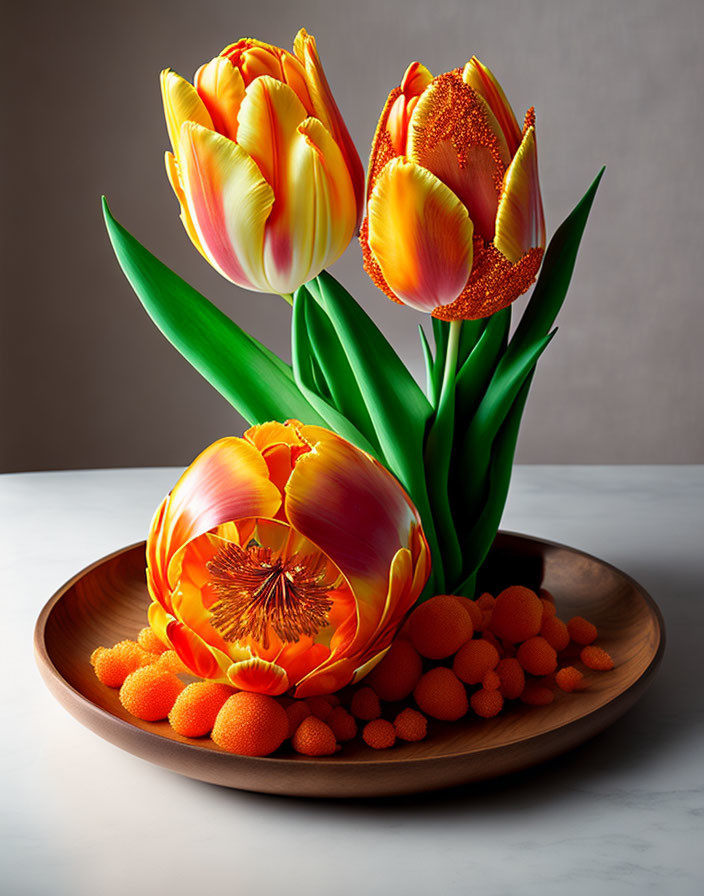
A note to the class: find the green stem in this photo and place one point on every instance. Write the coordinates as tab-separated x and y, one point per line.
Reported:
447	390
287	297
438	453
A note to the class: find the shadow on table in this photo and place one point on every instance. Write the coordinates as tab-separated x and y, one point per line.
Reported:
667	714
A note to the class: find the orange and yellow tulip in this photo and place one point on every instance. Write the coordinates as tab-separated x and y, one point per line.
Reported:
454	221
269	181
284	560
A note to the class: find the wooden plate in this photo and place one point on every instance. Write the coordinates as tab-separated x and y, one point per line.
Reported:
108	601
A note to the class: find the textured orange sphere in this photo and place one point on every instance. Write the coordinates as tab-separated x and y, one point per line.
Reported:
398	673
439	627
517	615
250	724
196	708
441	694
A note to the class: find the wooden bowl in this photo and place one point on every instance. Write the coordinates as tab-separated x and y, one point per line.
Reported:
108	601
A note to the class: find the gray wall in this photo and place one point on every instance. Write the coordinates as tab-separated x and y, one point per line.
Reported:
88	381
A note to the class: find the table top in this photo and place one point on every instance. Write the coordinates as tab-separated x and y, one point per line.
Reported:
624	812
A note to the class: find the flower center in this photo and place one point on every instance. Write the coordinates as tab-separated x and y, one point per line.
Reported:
256	590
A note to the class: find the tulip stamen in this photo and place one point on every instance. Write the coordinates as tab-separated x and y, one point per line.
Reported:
257	591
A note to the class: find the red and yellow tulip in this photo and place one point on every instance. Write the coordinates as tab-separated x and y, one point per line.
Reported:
454	221
284	560
269	181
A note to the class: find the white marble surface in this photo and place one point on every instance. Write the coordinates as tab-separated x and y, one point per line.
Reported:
623	814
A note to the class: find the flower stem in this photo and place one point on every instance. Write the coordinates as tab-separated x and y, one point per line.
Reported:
287	297
447	390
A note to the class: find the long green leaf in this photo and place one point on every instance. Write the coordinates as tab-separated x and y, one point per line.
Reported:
476	450
479	538
325	348
233	362
475	374
310	378
398	409
432	382
555	275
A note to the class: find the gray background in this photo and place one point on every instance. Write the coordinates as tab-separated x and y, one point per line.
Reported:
88	381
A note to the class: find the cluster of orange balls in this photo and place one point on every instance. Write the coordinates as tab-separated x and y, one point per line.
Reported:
453	655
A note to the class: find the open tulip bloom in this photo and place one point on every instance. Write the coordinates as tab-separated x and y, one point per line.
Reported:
271	191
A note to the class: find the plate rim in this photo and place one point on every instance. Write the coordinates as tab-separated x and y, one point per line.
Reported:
56	682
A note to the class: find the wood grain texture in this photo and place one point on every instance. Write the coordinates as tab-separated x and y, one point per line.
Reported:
108	601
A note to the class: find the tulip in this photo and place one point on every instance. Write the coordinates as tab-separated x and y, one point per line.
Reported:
268	179
284	560
454	222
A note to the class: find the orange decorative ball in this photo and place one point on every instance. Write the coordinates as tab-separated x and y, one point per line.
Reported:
474	660
569	679
112	665
518	613
581	630
148	641
537	656
596	658
320	707
555	633
197	706
398	673
379	734
411	725
296	712
365	704
149	693
314	738
487	703
343	724
250	724
512	677
441	695
439	627
472	608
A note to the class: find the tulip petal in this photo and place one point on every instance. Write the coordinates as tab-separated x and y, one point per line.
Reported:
520	223
158	621
181	103
480	78
454	134
259	676
172	173
420	235
314	216
327	111
193	651
354	510
221	87
227	481
229	202
495	283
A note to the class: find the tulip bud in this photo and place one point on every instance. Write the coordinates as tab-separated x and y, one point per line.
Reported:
269	181
454	222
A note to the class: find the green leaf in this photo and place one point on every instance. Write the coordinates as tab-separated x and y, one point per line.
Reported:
471	332
255	382
438	452
503	388
480	536
432	382
310	378
475	374
555	275
324	347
